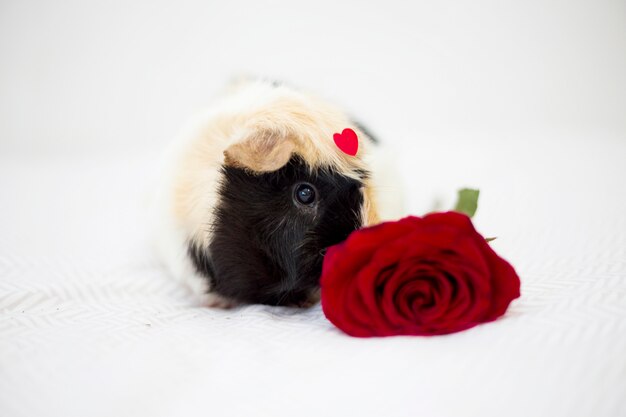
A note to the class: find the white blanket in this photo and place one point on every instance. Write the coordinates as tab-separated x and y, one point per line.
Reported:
91	325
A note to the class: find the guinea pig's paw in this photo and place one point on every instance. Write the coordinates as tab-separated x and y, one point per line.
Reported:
305	304
214	300
310	301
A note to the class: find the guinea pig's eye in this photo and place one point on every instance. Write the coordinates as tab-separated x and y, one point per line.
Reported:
305	194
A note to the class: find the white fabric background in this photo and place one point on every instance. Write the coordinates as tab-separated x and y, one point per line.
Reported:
522	99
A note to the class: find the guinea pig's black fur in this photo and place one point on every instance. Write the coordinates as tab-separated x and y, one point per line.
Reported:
266	246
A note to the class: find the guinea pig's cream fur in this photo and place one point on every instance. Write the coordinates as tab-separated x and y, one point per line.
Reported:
261	132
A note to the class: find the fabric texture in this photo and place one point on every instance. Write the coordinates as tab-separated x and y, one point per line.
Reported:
91	324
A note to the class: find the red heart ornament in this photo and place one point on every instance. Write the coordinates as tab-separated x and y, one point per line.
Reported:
347	141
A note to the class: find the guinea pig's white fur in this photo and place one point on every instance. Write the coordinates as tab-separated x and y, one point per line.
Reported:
258	126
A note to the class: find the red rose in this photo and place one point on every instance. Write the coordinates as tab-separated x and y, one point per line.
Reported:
417	276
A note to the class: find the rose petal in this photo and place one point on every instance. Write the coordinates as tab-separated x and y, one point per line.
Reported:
430	275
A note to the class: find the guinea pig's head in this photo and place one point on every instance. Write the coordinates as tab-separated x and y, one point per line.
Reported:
271	226
285	194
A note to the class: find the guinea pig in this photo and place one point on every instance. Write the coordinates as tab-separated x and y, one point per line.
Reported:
254	191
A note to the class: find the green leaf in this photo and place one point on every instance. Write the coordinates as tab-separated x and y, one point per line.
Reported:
490	239
467	201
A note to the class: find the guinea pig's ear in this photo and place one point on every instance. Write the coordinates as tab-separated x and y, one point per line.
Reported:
263	152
